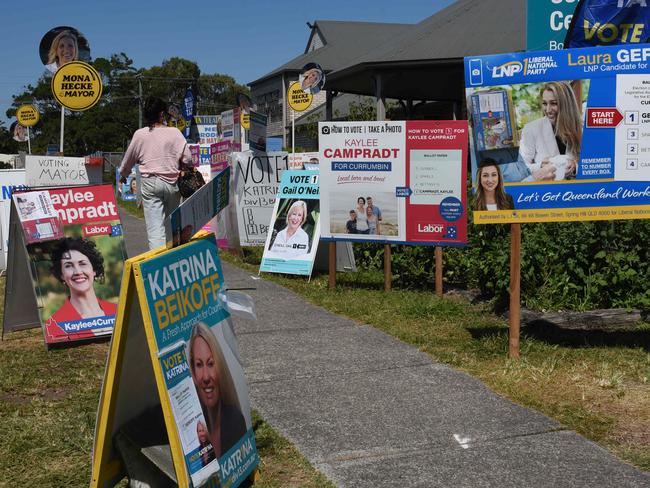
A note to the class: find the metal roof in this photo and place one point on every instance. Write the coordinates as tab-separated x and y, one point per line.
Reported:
426	61
344	41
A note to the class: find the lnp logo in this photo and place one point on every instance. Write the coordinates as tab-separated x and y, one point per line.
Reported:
508	69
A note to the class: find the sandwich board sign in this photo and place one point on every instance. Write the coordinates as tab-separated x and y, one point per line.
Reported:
187	410
65	260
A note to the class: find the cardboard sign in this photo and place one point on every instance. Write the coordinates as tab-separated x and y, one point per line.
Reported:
77	86
127	191
192	405
55	171
257	132
10	180
298	160
74	243
197	210
257	179
295	226
394	182
547	23
596	98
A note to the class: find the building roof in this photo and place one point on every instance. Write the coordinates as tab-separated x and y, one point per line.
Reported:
343	42
425	61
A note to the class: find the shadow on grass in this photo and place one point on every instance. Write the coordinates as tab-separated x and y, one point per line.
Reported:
547	332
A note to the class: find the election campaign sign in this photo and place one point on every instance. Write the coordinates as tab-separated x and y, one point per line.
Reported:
10	180
257	178
292	241
394	182
77	86
75	248
55	171
175	328
559	135
27	115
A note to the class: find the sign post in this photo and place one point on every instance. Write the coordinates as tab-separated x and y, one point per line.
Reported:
299	101
27	116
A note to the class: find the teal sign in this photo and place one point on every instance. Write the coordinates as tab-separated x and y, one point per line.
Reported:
547	22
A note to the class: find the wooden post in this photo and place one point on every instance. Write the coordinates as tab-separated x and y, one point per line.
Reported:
439	271
388	274
331	284
515	290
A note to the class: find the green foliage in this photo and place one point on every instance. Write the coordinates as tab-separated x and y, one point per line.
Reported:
564	266
109	125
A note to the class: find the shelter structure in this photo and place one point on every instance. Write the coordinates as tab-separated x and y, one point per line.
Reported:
425	62
333	45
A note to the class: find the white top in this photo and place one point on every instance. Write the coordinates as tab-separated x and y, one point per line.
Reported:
287	248
538	143
491	206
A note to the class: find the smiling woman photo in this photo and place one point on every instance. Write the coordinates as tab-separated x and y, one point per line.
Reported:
490	194
77	263
216	390
64	49
292	241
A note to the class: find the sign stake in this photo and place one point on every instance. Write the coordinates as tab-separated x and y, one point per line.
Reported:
438	252
388	275
331	283
62	125
515	290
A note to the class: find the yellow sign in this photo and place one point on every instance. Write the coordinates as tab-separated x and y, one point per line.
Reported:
27	115
77	86
245	120
298	99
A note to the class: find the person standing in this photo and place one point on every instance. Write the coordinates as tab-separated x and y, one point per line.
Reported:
159	150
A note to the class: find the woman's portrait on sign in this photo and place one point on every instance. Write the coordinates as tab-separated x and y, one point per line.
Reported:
62	45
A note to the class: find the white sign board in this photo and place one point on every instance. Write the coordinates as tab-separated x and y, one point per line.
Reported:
257	179
55	171
10	179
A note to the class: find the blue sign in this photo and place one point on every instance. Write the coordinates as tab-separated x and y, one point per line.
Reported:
560	134
605	23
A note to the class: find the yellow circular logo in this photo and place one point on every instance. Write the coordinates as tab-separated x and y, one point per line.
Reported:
245	121
77	86
27	115
298	99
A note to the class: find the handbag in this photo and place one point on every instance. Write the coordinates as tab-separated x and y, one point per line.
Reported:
189	181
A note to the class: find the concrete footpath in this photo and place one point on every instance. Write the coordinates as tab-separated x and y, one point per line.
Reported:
370	411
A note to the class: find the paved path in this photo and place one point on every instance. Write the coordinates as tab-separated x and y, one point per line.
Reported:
370	411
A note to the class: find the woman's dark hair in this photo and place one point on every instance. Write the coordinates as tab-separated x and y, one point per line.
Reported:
499	192
361	198
87	248
152	108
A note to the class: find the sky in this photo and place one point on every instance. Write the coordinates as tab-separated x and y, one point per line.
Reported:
244	39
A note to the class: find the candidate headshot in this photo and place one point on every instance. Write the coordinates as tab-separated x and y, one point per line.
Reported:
312	78
62	45
215	389
77	264
18	132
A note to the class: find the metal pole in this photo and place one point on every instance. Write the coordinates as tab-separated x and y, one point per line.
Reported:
140	101
29	142
293	131
62	125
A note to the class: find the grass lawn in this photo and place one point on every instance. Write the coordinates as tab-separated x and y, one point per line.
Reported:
602	392
48	405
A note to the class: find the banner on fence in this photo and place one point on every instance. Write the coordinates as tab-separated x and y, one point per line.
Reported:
560	135
394	182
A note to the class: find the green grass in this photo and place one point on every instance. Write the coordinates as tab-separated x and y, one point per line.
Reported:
602	392
48	405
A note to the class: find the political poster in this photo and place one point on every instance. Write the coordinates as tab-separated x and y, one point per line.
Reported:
257	179
208	127
292	240
394	182
197	210
200	154
547	23
55	171
230	129
204	381
560	135
76	252
257	132
604	23
10	180
299	160
127	191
